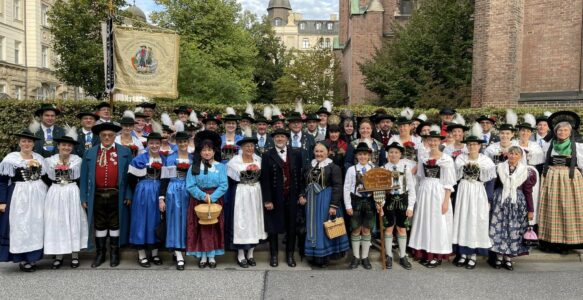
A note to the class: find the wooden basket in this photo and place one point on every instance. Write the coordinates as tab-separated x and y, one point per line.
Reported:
335	228
208	213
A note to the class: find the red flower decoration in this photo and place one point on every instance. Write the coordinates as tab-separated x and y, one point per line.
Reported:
61	168
218	117
252	167
409	144
231	147
189	110
134	147
183	166
156	165
432	162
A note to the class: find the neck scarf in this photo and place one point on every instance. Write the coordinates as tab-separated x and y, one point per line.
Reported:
511	182
563	148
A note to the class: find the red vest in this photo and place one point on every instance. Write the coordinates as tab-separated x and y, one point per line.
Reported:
286	177
106	176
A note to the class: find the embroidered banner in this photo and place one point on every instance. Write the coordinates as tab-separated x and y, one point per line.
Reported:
146	62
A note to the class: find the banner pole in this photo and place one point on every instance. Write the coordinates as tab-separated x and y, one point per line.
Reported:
110	16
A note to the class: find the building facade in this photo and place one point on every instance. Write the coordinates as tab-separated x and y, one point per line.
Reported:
26	57
297	33
364	24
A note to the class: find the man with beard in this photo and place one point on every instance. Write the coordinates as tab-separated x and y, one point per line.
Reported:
385	124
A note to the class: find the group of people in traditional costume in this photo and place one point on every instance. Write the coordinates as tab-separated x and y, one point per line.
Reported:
457	190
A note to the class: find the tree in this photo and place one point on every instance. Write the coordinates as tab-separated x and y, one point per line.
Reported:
76	29
217	52
310	75
429	62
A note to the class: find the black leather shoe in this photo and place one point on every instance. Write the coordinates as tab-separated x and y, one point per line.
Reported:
366	263
433	263
508	265
497	264
251	261
75	263
27	267
99	252
423	262
389	262
57	263
180	265
290	260
354	263
212	265
113	252
144	263
461	262
243	263
202	264
273	261
471	264
157	260
404	262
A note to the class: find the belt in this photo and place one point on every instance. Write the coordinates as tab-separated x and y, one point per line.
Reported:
107	189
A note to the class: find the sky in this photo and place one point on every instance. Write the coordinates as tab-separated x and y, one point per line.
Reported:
311	9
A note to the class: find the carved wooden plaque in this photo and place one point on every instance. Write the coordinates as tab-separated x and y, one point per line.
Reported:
377	179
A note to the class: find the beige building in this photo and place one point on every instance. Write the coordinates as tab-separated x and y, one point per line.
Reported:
297	33
26	58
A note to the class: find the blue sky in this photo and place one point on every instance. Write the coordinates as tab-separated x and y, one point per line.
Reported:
312	9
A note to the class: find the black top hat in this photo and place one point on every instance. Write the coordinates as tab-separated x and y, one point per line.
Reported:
151	105
182	136
211	117
395	145
67	140
154	136
434	134
380	117
127	121
295	117
486	118
246	116
312	117
280	131
25	133
182	109
102	104
403	120
362	147
447	111
87	113
473	139
452	126
105	126
322	110
505	126
420	127
565	116
47	106
247	139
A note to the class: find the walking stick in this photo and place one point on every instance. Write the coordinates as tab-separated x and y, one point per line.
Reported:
379	197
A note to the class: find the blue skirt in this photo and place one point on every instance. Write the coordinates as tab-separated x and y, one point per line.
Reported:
508	222
317	243
177	199
145	213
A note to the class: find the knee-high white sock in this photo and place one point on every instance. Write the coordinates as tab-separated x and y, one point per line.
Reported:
389	245
250	253
59	257
203	258
355	240
365	243
212	259
100	233
75	255
240	254
179	256
142	254
402	241
113	233
154	252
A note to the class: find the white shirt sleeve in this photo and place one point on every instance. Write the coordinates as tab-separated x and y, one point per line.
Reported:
349	184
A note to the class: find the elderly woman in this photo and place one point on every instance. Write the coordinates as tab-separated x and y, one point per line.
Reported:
337	145
560	203
206	182
324	196
511	208
348	134
127	137
247	224
22	198
66	229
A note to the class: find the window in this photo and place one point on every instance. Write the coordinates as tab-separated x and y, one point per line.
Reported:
18	93
45	57
17	52
318	26
306	43
327	43
302	26
1	45
2	88
406	7
17	10
64	95
277	22
44	12
1	7
330	26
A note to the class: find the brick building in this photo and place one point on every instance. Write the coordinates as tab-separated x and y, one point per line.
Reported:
363	26
528	53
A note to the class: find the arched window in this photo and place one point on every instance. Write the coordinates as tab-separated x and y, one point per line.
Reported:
277	22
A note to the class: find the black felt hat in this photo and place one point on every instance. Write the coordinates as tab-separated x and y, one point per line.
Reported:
403	120
154	136
182	109
486	118
452	126
246	116
212	136
66	139
280	131
312	117
447	111
434	134
167	128
379	117
362	147
395	145
103	104
127	121
295	117
25	133
247	139
45	107
473	139
211	117
87	113
182	136
151	105
105	126
565	116
322	110
420	127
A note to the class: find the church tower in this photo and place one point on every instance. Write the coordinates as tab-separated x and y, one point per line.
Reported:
278	12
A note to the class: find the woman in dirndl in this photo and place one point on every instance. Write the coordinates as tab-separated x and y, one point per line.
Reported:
22	201
177	197
127	137
146	168
246	204
206	182
560	211
323	200
511	208
66	228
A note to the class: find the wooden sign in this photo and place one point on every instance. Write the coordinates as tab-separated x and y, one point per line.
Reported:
377	179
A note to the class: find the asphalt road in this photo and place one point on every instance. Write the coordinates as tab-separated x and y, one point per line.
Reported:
552	278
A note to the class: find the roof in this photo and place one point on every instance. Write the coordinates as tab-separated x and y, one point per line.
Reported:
137	13
310	27
279	4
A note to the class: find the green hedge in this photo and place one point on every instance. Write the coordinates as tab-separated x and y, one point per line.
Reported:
16	115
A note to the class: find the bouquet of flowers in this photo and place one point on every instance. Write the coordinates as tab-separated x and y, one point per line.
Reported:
252	167
134	148
431	162
409	144
61	168
156	165
183	166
